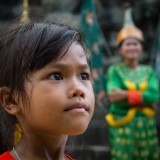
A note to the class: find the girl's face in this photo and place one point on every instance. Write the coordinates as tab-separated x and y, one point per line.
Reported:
61	96
131	49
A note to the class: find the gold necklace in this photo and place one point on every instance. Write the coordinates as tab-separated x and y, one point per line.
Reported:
15	152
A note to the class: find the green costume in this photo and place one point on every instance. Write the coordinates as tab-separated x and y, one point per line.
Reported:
132	127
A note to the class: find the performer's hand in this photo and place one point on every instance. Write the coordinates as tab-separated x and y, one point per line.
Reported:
117	95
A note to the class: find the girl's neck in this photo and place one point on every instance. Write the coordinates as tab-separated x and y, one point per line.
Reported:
131	64
42	150
14	152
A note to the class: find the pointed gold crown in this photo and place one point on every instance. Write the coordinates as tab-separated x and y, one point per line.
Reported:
129	29
25	12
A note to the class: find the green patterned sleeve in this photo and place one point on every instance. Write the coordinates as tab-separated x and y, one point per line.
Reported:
151	95
112	79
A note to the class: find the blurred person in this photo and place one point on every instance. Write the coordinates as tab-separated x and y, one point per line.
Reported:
133	91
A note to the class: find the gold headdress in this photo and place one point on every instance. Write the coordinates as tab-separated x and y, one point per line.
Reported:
25	14
129	29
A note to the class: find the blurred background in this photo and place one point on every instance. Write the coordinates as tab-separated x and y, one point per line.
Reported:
99	21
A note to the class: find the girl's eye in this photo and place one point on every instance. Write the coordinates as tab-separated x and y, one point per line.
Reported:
84	76
56	76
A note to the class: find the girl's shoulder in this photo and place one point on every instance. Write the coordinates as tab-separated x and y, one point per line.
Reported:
6	156
116	66
146	67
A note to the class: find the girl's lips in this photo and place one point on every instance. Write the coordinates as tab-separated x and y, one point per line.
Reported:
77	110
77	107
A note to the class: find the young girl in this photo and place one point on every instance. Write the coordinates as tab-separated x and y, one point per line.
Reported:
45	90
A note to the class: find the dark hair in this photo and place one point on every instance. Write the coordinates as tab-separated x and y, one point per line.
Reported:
25	48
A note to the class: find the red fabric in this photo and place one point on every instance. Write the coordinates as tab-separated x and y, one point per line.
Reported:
6	156
134	97
70	158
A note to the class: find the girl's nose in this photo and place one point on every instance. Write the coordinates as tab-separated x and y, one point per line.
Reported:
76	89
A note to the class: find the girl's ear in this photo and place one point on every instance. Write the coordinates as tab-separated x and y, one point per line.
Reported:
9	102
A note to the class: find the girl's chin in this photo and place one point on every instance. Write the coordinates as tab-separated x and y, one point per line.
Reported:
78	131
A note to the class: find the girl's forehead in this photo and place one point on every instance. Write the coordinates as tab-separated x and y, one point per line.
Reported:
75	53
